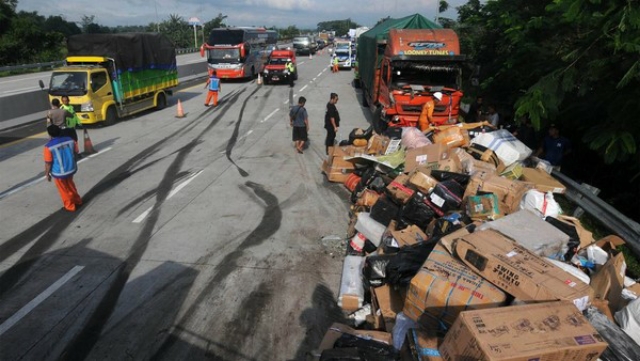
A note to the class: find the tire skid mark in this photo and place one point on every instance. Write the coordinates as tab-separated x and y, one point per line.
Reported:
234	137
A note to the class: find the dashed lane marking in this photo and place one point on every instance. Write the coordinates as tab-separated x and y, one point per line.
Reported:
270	115
303	88
6	325
177	189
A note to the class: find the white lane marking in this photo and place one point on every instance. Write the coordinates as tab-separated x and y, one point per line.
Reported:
177	189
320	73
314	79
38	300
300	63
18	90
246	135
95	154
285	102
269	116
303	88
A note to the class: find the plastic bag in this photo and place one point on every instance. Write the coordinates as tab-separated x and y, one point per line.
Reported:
400	329
542	204
569	230
416	211
446	196
375	269
441	176
629	320
384	211
621	346
351	282
413	138
407	262
370	350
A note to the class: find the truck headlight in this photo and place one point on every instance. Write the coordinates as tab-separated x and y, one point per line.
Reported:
396	118
86	107
266	71
286	72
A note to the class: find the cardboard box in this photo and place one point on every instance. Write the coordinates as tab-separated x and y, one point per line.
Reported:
420	345
421	178
513	171
483	207
447	165
444	287
408	236
509	192
608	282
337	329
398	189
553	331
336	174
543	182
377	144
518	271
424	155
452	137
386	303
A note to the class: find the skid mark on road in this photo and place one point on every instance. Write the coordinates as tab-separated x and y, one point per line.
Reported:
234	136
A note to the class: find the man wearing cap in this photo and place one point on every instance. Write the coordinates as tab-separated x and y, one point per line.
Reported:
554	147
426	115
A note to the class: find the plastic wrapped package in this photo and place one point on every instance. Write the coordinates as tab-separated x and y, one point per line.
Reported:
351	286
445	196
629	320
369	350
406	263
416	211
375	267
508	148
452	137
575	271
371	229
442	176
413	138
542	204
384	211
621	346
533	233
400	329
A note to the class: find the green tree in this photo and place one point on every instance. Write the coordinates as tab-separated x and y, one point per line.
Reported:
7	12
178	31
217	22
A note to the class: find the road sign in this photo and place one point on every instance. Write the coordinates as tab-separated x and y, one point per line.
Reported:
195	21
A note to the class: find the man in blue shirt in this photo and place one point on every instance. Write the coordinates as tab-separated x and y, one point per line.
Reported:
299	121
554	147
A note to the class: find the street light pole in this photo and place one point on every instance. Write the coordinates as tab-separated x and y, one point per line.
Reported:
155	2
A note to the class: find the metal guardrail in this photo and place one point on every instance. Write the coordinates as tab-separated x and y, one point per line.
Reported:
610	217
53	64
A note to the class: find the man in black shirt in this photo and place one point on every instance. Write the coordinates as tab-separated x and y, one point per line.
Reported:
331	121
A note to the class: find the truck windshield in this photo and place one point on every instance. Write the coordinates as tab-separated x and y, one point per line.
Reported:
427	75
342	46
302	40
224	55
68	83
277	61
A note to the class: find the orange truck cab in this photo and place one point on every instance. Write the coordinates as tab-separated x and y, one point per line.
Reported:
416	64
275	70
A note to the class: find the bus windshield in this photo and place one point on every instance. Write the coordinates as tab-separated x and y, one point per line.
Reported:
225	55
68	83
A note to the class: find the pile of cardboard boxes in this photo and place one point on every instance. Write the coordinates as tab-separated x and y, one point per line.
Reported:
492	276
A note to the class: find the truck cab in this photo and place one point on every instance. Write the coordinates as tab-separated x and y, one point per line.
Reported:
305	45
275	70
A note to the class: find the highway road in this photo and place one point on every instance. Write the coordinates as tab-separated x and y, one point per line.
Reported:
29	82
199	238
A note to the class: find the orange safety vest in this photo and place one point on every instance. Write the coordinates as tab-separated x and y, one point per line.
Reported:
426	115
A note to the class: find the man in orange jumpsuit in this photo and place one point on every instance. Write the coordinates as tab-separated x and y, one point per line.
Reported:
213	83
60	164
426	115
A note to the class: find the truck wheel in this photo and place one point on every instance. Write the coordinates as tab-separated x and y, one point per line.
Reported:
112	116
365	103
161	102
379	125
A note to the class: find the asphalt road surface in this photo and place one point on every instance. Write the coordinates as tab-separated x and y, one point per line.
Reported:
199	238
29	82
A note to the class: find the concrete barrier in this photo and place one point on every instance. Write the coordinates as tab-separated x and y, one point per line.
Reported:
19	105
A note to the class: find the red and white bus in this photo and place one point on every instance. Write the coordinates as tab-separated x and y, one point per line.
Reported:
238	52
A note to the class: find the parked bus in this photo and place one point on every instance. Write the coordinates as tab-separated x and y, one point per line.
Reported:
238	52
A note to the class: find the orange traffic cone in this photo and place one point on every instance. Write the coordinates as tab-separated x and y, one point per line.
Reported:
88	146
259	79
310	56
180	111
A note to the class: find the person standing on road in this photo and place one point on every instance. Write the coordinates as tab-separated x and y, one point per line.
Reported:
214	86
299	120
70	122
331	121
58	116
426	114
335	68
291	69
60	164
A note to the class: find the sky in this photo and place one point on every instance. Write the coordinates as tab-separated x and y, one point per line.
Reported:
304	14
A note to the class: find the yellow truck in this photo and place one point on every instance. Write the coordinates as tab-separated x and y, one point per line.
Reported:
108	76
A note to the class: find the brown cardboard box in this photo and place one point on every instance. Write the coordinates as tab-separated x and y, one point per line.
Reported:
421	178
518	271
398	189
447	165
483	207
337	329
552	331
408	236
452	137
377	144
509	192
443	287
608	282
424	155
386	302
543	181
513	171
336	174
420	345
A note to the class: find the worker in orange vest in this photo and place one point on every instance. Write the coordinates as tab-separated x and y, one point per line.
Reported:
426	115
